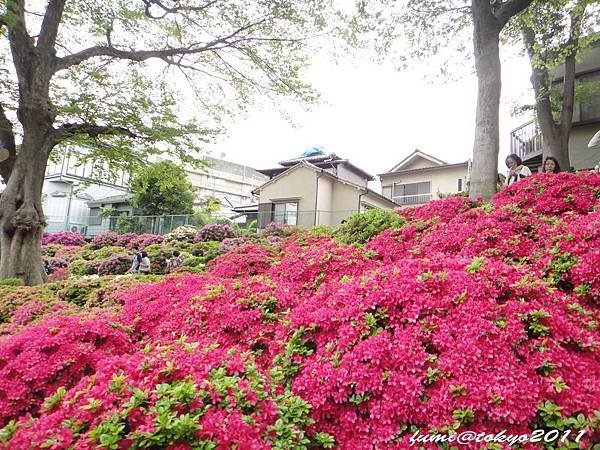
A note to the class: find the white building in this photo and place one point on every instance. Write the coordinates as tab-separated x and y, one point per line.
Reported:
74	193
69	185
230	182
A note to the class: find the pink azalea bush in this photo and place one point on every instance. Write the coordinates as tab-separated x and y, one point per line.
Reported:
115	265
63	238
468	317
214	232
105	239
141	241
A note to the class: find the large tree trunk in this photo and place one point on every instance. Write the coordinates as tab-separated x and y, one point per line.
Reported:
22	219
555	136
553	141
486	41
555	131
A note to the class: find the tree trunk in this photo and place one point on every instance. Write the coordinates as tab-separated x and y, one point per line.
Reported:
555	131
22	219
486	40
555	136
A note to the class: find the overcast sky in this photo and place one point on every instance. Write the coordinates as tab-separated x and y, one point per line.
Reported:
375	116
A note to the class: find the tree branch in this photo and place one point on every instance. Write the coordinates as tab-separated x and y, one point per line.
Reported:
8	148
541	86
509	9
566	116
20	42
174	9
68	130
50	24
143	55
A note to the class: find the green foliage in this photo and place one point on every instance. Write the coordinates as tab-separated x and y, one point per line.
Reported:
162	189
286	365
108	212
553	31
121	109
361	227
130	224
206	250
321	230
210	204
78	268
463	416
11	282
193	261
560	265
476	265
534	327
165	402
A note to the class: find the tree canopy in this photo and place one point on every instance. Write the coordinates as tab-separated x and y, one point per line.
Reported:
555	33
431	25
116	77
162	188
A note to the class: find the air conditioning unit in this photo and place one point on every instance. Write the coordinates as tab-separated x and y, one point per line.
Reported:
81	229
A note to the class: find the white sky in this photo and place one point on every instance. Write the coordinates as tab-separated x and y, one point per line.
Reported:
375	116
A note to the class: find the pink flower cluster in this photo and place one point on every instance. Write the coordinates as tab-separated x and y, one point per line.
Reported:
214	232
472	316
63	238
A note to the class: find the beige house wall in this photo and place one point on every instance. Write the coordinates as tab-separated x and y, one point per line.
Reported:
346	174
443	181
325	201
386	191
419	163
375	202
299	185
582	157
335	200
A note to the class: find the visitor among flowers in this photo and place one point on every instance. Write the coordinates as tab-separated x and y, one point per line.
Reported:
174	263
135	264
516	170
551	165
144	266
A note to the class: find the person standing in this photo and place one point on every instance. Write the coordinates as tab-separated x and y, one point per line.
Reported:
135	264
174	263
145	266
516	170
551	165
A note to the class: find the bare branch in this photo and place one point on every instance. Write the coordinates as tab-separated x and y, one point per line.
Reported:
68	130
50	24
148	4
509	9
8	148
143	55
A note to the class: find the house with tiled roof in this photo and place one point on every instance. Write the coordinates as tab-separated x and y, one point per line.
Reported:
421	177
317	188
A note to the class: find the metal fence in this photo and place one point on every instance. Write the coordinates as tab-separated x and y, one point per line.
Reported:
93	225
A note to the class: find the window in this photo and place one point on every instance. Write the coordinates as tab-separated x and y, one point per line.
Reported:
285	213
460	185
412	193
589	85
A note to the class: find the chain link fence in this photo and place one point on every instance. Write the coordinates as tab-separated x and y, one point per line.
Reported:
253	221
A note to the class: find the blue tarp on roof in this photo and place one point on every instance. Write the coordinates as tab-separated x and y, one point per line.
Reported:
316	150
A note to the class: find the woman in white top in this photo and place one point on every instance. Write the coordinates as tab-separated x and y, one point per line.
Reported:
144	266
516	170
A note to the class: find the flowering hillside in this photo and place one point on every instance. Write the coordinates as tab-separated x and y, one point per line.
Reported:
461	317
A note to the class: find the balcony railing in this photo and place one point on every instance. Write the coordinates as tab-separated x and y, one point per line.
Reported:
526	141
412	199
